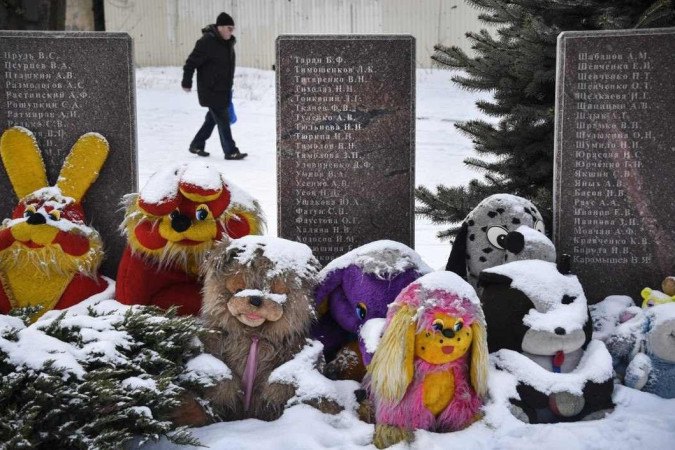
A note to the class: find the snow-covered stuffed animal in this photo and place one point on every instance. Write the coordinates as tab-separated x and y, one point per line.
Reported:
49	258
540	328
501	229
643	348
652	297
171	225
258	298
430	368
354	288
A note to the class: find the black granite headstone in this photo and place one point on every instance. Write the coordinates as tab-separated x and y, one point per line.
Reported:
614	199
345	140
61	85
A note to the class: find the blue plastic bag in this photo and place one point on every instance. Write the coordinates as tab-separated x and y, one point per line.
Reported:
231	114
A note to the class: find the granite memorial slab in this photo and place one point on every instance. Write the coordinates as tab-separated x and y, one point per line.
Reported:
345	140
614	199
61	85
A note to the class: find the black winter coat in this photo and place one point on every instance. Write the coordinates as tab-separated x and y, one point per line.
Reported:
214	59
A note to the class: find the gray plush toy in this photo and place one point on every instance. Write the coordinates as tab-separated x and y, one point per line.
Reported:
502	228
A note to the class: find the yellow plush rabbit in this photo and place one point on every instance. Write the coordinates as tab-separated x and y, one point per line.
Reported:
48	256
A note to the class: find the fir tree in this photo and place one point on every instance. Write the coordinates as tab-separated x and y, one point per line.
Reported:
99	379
516	62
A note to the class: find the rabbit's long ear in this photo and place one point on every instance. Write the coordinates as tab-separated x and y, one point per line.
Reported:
23	161
392	367
479	359
82	165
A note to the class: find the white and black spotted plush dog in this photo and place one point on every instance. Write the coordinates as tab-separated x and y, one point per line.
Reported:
501	229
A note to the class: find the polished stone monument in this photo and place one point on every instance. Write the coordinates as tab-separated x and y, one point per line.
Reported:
61	85
345	140
614	198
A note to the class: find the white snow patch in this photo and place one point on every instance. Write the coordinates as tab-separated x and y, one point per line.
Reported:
541	282
302	373
162	185
448	281
595	365
136	383
371	333
287	256
277	298
202	175
608	313
385	259
207	366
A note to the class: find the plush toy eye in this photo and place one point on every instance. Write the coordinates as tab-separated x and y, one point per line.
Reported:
30	210
361	310
55	214
496	236
174	214
202	212
458	326
437	325
539	226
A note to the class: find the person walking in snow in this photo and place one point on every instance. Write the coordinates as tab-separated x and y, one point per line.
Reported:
214	59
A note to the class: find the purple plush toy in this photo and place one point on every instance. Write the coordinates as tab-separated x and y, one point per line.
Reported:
354	288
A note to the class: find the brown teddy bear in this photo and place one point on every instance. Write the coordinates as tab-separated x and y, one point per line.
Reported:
258	299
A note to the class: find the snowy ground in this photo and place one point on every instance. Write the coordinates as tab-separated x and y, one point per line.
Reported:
167	120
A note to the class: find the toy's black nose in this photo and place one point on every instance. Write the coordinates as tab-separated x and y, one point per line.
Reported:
180	222
36	219
514	242
560	331
255	301
448	333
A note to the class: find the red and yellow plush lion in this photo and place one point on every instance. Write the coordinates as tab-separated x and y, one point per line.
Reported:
171	225
48	256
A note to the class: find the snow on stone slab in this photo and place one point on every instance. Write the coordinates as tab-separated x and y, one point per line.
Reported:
302	373
207	366
371	333
384	259
287	256
595	365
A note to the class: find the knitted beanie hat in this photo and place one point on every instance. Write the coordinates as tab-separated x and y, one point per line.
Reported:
224	19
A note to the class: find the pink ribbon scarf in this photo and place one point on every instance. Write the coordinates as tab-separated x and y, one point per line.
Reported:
249	371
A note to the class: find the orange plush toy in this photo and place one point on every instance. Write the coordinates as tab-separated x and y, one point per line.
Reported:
171	225
48	256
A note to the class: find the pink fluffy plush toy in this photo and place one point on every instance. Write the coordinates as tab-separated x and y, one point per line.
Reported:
430	368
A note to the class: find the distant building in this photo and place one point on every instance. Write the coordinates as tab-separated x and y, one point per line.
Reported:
165	31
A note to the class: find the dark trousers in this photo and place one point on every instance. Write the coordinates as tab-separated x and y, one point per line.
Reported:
216	117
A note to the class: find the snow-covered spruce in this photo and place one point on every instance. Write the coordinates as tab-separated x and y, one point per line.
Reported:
98	375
